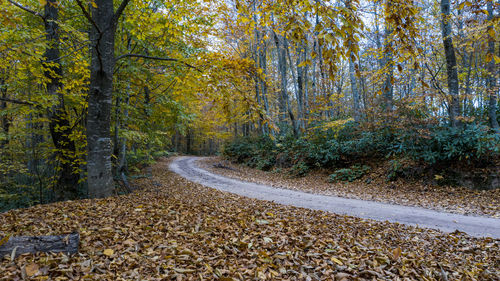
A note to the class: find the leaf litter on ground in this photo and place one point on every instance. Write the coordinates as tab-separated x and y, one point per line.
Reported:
179	230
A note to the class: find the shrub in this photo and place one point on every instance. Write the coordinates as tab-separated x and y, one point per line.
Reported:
421	145
349	174
300	169
257	152
472	143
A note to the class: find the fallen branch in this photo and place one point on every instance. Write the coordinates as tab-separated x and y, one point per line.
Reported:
18	245
222	166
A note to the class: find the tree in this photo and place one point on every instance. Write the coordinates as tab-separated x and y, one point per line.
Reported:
103	20
451	63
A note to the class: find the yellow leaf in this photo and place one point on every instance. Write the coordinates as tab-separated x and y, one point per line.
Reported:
43	2
488	57
337	261
108	252
4	240
491	32
396	253
31	269
438	177
497	60
94	4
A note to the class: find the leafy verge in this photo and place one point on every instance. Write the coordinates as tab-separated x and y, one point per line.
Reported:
174	229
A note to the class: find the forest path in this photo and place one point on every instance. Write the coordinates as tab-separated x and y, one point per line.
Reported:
447	222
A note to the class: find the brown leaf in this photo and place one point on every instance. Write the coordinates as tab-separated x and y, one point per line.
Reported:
31	269
396	253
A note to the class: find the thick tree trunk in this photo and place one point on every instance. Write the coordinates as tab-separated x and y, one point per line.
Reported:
102	35
451	63
59	125
492	75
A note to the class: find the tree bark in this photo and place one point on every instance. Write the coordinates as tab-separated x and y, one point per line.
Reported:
99	148
387	88
5	120
284	101
451	63
59	125
18	245
354	90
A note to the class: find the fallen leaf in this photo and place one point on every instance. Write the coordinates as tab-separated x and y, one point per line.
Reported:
4	240
396	253
108	252
183	270
31	269
337	261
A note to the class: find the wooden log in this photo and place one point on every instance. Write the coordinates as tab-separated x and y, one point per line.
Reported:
17	245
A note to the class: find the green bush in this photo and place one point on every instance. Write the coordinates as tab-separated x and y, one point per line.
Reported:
300	169
426	145
349	174
472	144
159	154
257	152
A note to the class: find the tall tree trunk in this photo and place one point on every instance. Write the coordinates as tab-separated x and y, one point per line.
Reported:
492	74
284	101
354	90
263	84
59	125
5	120
387	88
122	163
451	63
300	87
102	35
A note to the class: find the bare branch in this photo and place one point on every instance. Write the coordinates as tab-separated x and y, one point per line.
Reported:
156	58
119	11
87	15
18	101
26	9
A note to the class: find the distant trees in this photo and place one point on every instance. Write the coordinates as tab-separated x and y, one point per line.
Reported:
389	59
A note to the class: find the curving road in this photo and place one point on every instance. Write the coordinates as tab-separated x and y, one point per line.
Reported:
447	222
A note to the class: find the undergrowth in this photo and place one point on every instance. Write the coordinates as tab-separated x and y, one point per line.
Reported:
411	151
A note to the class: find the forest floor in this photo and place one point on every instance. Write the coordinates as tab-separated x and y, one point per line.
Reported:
177	230
458	200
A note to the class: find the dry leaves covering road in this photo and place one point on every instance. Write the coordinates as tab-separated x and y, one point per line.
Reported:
459	200
176	230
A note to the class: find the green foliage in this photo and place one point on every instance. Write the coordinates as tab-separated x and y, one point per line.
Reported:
160	154
472	143
300	169
395	170
349	174
257	152
432	146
